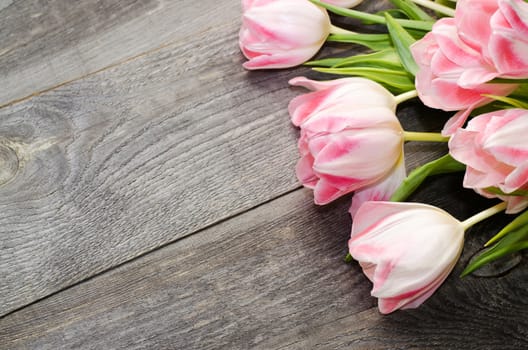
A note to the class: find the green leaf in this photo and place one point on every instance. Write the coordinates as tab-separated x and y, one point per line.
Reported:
325	62
387	58
412	10
509	100
349	258
442	165
407	23
513	242
396	13
402	42
448	3
396	81
522	90
508	81
496	190
372	41
517	223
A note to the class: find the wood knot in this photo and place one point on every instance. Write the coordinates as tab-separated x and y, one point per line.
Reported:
9	164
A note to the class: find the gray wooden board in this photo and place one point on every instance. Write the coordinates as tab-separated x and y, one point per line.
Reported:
271	278
47	43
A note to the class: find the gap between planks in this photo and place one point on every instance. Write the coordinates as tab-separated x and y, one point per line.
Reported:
97	71
140	256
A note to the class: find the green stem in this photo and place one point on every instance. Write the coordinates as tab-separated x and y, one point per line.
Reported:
424	136
406	23
483	215
448	11
336	30
406	96
508	80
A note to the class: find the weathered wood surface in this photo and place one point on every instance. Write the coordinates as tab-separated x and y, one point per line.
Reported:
272	278
161	156
116	164
45	44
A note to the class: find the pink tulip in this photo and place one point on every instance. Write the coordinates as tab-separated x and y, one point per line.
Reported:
494	148
351	139
405	249
281	33
343	3
453	75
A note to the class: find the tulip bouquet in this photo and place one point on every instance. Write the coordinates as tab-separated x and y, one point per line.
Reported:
468	57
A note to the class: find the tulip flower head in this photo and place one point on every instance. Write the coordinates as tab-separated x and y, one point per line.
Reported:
351	139
453	75
405	249
494	148
281	33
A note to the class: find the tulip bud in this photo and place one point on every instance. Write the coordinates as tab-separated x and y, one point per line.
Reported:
350	139
281	33
495	150
405	249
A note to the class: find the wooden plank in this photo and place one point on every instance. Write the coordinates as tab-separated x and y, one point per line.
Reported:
44	44
272	278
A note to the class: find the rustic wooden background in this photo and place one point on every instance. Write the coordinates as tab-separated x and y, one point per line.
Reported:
148	199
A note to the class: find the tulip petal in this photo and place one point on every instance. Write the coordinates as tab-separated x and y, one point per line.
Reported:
339	117
515	12
424	50
302	107
279	60
305	172
515	203
411	299
475	76
316	85
450	44
472	18
483	170
456	121
380	191
325	192
356	154
509	53
517	179
507	142
372	214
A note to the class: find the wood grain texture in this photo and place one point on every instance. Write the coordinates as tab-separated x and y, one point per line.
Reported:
47	43
111	166
131	198
120	163
272	278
